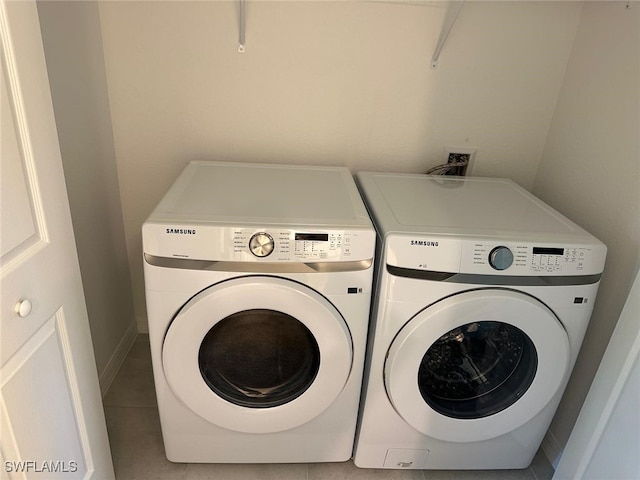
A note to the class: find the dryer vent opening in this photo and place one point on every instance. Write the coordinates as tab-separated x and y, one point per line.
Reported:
477	369
259	358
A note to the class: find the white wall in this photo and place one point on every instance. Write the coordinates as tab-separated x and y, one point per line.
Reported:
344	83
73	48
606	439
590	171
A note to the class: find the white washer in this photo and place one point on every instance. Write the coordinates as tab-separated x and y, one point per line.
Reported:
258	285
484	294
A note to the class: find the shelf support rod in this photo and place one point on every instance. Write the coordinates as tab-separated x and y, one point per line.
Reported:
453	10
242	26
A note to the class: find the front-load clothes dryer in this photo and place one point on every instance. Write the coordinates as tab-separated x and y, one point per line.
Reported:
258	284
484	294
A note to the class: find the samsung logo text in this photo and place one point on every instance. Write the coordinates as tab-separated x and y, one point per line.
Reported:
181	231
424	243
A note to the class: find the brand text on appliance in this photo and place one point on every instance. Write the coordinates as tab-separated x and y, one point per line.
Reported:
424	243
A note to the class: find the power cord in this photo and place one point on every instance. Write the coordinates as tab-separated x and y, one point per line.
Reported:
445	168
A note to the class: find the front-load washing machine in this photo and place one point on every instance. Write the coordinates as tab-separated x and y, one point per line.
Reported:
484	294
258	283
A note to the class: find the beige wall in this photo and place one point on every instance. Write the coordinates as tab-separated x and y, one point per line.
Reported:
345	83
590	171
73	49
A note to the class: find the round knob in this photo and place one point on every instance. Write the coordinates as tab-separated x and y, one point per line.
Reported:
501	258
23	308
261	244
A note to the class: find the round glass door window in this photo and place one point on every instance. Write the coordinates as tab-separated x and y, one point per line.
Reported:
477	369
259	358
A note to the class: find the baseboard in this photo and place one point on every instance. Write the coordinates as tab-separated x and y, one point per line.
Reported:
143	325
115	362
551	449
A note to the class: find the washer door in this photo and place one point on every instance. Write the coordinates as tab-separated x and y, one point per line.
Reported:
257	354
476	365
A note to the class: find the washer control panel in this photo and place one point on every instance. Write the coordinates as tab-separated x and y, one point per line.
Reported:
493	257
523	259
501	258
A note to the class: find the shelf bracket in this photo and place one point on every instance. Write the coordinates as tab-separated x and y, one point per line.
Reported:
453	10
242	25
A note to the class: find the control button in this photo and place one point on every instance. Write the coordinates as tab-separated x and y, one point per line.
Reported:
261	244
501	258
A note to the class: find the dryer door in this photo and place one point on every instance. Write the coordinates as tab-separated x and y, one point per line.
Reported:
257	354
477	365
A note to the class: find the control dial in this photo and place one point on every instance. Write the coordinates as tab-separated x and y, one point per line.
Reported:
261	244
501	258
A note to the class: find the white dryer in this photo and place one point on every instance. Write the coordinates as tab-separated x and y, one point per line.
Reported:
484	294
258	285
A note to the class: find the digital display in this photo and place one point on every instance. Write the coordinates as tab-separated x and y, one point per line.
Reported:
548	251
315	237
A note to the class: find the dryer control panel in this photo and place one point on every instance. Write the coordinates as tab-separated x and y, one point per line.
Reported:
263	243
292	245
494	257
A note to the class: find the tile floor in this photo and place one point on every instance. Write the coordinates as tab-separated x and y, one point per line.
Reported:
138	453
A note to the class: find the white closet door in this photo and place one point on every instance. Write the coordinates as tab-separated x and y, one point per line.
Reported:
51	415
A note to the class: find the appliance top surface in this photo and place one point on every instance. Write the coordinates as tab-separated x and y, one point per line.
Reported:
467	206
244	193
